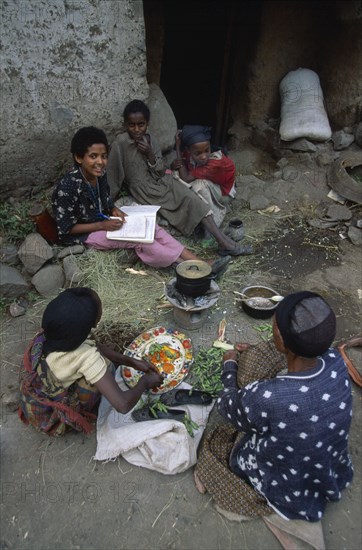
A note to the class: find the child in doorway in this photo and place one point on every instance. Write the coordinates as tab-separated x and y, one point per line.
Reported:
82	205
64	372
210	174
136	158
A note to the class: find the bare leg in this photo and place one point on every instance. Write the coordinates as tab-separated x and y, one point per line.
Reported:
186	254
225	242
226	245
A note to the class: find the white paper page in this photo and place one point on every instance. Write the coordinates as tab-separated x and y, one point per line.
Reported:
133	228
147	209
150	228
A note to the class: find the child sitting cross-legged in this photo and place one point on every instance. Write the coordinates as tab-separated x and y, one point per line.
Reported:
82	206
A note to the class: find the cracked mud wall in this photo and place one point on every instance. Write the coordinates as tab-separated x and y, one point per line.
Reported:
65	64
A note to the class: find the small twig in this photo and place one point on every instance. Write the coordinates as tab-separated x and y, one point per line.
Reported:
208	502
10	363
120	469
333	247
42	459
273	216
158	277
174	482
226	527
163	509
63	451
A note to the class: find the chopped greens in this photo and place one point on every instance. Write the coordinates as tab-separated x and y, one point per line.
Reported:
206	370
265	330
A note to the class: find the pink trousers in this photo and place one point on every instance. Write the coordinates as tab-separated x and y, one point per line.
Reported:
163	252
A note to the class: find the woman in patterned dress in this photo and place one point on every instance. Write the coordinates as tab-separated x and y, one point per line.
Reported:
295	425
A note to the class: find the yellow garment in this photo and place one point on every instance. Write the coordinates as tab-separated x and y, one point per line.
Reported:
69	366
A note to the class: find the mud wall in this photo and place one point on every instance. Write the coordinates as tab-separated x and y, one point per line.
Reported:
65	64
320	35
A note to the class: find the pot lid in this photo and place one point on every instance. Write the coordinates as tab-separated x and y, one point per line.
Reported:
193	269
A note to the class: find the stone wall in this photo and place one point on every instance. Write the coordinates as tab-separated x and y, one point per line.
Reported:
65	64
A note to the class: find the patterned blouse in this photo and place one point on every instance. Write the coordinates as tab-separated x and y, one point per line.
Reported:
295	448
76	201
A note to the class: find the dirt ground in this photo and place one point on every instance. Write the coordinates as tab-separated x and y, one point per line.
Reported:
54	495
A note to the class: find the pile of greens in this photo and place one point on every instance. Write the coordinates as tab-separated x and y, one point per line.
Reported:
206	370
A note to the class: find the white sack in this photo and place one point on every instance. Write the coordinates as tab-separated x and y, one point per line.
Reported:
161	445
302	107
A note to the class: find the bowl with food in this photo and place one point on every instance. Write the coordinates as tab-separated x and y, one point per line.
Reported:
259	301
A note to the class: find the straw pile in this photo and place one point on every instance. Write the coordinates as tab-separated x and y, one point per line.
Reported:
129	296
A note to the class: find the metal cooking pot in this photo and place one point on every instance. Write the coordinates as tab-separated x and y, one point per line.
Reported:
262	292
193	278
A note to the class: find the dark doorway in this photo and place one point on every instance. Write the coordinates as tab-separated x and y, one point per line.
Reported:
199	52
196	58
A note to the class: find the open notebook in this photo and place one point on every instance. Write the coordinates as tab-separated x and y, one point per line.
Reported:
140	225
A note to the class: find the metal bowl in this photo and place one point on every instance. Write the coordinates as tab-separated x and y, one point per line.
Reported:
262	292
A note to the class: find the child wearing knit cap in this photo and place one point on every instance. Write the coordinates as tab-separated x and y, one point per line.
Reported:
211	174
294	448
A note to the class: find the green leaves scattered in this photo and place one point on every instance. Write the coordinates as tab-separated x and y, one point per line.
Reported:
190	425
158	406
265	331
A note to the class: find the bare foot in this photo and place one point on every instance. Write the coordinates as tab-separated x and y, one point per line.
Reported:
199	485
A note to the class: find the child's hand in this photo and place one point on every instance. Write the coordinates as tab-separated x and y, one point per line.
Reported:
144	146
233	353
111	225
176	164
143	366
152	379
118	213
178	138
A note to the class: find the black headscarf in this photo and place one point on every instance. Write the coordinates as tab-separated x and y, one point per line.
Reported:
195	134
306	323
68	319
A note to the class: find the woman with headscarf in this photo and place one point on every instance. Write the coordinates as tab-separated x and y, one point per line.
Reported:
211	174
292	456
64	372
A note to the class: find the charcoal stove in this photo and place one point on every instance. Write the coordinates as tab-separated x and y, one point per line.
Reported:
191	313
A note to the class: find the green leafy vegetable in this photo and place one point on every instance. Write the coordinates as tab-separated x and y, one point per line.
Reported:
190	425
206	371
265	330
158	406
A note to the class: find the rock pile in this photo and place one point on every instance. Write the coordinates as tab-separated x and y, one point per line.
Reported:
37	264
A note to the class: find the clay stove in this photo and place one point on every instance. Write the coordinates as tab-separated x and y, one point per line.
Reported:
191	313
